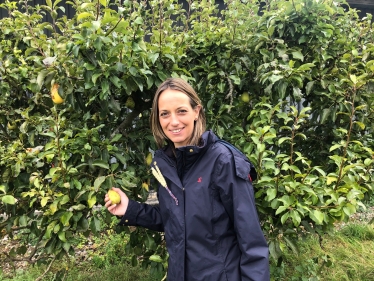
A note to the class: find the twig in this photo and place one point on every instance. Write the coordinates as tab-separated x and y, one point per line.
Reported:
46	271
33	252
231	90
127	122
114	27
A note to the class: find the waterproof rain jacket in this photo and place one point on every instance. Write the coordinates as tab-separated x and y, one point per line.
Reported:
213	234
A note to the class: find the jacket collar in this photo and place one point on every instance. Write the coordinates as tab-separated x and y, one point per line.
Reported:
186	156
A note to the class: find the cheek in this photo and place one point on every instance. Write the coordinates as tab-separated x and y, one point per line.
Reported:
163	123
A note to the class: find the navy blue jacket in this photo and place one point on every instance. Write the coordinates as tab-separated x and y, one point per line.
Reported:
214	233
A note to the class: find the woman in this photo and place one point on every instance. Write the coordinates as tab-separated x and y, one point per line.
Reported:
206	201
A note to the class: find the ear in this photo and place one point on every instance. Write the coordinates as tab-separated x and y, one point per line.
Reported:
197	111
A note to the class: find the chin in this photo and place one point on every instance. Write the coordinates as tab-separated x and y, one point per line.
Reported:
178	141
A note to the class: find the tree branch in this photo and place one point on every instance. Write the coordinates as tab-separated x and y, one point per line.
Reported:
127	122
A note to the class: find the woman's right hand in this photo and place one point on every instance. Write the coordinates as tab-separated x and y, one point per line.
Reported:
120	208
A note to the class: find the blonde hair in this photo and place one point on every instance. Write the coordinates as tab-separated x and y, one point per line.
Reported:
177	84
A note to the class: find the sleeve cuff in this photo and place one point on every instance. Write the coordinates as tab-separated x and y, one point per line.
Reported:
129	218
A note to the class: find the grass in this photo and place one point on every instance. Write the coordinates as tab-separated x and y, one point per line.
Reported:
87	272
346	254
105	259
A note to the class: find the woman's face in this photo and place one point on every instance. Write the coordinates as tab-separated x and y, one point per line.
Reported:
176	116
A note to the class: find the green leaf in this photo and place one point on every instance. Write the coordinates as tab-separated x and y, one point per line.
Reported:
64	200
155	258
325	114
116	81
65	218
330	180
8	199
306	66
281	140
322	172
49	3
298	55
335	146
78	207
116	138
281	209
295	217
101	164
349	209
121	158
138	20
285	217
98	182
95	77
360	124
61	236
85	15
42	74
295	169
23	221
271	194
82	224
317	216
291	244
274	249
66	246
353	78
44	201
91	201
53	207
95	224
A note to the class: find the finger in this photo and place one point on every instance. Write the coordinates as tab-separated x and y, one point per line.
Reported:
108	204
112	207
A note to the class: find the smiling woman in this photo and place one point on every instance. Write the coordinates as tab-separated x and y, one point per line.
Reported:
177	117
206	199
177	112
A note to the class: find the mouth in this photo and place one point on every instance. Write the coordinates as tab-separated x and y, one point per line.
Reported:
176	131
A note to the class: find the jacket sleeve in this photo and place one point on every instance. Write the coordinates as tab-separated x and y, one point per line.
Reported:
141	214
237	196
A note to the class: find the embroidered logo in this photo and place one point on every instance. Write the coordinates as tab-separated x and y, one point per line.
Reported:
199	179
249	177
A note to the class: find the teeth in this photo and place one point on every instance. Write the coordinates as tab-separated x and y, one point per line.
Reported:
176	131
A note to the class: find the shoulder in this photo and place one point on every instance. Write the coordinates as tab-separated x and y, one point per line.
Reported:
230	156
221	152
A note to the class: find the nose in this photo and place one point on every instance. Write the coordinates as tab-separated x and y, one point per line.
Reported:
174	120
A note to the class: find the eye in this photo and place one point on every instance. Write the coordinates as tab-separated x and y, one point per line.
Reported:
182	111
163	114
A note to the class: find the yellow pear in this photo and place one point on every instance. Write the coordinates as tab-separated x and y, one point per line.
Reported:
11	126
148	160
114	197
245	97
56	98
145	186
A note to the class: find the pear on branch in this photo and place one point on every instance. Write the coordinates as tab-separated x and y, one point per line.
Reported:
56	98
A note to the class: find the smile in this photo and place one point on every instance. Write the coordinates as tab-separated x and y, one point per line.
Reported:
176	131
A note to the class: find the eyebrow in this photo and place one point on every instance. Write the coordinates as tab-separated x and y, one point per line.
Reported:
184	107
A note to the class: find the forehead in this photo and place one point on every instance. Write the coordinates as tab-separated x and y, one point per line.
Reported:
173	99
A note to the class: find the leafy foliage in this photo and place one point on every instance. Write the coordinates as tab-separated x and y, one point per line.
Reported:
289	82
